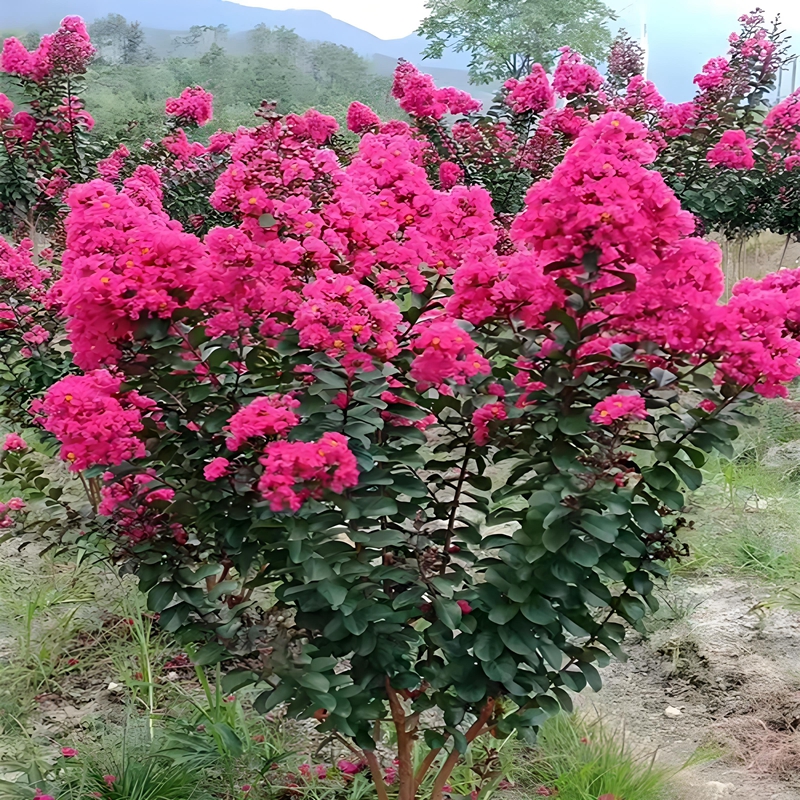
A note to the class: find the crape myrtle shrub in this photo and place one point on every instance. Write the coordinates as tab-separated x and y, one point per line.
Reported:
449	438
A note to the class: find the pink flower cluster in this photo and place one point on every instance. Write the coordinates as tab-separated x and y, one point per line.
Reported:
264	418
129	503
18	273
110	168
601	199
216	469
65	52
95	421
445	353
344	317
532	94
733	151
483	417
15	504
194	106
14	443
619	407
715	74
297	471
572	77
125	261
361	118
642	96
417	95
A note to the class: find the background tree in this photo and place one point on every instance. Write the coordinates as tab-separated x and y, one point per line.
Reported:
506	37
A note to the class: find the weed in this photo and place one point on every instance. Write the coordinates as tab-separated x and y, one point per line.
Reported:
581	759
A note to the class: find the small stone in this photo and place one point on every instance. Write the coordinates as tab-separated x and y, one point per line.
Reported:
717	790
115	687
672	712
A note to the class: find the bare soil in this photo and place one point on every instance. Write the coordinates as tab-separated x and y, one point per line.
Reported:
735	678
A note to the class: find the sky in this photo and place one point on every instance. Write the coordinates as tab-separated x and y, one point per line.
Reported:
394	19
386	19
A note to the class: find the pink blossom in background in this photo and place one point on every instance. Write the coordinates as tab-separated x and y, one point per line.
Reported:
361	118
449	175
733	150
15	443
194	105
532	93
618	406
573	77
418	95
6	107
110	168
714	74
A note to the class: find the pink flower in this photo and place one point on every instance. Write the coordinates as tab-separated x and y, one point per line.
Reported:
15	504
216	469
194	106
618	406
532	93
465	607
246	788
14	442
297	471
449	175
715	73
361	118
265	417
417	95
573	77
109	780
350	767
481	419
446	352
733	150
708	405
6	107
94	420
69	752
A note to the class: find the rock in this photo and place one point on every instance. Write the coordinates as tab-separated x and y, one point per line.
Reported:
783	456
115	688
717	790
672	712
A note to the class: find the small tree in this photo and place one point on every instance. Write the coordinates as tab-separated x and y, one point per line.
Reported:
505	38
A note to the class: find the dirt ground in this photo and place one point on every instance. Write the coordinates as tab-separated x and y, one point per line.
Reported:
734	676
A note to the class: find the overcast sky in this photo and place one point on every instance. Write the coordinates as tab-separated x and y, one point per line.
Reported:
393	19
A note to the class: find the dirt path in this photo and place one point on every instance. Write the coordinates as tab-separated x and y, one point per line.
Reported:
735	680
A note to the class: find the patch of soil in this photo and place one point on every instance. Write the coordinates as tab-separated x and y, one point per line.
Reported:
736	682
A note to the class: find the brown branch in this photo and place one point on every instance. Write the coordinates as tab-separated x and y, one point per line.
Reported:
405	745
454	757
377	775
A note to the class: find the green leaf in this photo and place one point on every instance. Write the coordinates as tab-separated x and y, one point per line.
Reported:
448	611
373	507
434	740
160	596
488	646
538	610
315	681
503	613
266	701
646	518
211	653
692	477
556	537
237	678
574	424
592	675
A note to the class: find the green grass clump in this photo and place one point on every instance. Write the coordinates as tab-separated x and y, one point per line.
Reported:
582	760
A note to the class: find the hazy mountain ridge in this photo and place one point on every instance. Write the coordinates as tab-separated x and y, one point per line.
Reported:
180	15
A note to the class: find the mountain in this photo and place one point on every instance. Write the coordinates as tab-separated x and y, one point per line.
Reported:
179	15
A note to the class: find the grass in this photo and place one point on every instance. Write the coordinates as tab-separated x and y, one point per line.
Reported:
582	759
745	516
